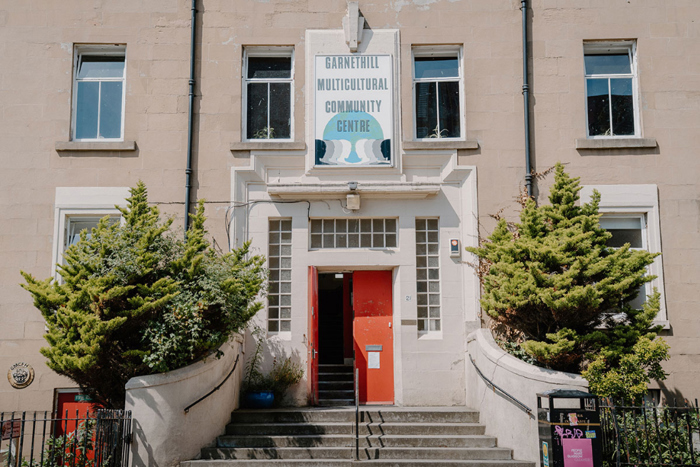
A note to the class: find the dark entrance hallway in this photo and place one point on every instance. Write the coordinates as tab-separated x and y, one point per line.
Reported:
334	318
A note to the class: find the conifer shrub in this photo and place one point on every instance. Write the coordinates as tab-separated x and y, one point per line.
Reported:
551	279
133	300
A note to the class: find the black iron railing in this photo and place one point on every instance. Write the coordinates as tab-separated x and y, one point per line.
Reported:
650	435
47	439
357	414
235	364
502	393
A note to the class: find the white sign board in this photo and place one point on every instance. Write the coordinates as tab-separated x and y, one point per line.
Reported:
373	360
354	121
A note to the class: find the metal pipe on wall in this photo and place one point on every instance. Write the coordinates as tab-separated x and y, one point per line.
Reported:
190	122
526	102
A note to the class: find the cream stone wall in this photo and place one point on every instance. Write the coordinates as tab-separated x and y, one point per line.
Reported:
37	41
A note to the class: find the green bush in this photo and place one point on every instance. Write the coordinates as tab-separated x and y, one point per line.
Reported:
552	279
135	300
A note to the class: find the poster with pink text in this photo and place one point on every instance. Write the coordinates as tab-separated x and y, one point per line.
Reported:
577	452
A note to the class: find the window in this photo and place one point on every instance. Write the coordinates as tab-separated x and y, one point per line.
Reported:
268	81
98	93
437	79
80	208
353	233
630	229
428	275
611	89
631	214
279	294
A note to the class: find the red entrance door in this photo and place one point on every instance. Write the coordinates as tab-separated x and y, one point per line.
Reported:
374	335
312	340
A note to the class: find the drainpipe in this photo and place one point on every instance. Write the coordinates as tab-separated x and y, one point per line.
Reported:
526	103
190	123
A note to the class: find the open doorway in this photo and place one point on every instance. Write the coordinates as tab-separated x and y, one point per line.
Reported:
350	328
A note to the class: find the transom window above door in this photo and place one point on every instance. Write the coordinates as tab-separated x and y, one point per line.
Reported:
353	233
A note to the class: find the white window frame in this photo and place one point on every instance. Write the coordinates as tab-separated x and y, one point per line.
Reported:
429	334
72	202
637	201
614	47
104	51
273	51
283	335
438	51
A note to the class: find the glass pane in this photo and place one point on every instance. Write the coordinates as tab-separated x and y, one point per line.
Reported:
274	313
366	240
86	110
316	226
286	263
422	299
273	326
286	300
420	224
285	326
434	312
426	110
622	106
100	66
433	248
421	274
274	237
316	241
421	262
274	250
111	109
421	324
607	64
640	299
434	273
353	225
274	275
274	262
341	225
286	250
286	237
433	261
273	287
421	286
420	237
365	225
328	226
275	226
286	225
422	312
286	275
269	67
390	225
378	225
432	224
273	300
434	299
434	286
327	240
286	287
286	313
378	241
420	249
341	241
448	100
391	240
256	117
436	67
434	325
433	237
280	110
598	107
353	241
622	236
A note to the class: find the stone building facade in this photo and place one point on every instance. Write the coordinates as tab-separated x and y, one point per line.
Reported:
354	148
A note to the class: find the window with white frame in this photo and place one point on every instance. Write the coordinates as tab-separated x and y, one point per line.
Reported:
611	89
98	93
353	233
279	293
437	83
428	275
631	214
268	88
80	209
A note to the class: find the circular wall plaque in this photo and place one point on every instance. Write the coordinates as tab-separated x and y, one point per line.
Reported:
20	375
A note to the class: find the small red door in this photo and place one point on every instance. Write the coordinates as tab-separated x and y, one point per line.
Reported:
312	339
374	335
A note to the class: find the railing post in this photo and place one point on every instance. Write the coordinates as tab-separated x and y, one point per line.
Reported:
357	414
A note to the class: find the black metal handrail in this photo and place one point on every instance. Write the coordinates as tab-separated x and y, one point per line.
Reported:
235	364
357	414
503	393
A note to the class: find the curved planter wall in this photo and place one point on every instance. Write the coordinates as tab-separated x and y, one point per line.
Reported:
512	426
163	434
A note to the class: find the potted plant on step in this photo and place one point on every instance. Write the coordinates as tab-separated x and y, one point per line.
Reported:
262	391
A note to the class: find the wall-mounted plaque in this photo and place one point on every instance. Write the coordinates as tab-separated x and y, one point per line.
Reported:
20	375
354	110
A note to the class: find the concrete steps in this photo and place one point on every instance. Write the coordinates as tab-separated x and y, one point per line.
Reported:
388	436
336	385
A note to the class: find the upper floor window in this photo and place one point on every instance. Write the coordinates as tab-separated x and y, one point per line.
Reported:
98	93
611	89
268	84
437	80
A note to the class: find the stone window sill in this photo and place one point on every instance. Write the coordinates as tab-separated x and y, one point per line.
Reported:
615	143
437	144
112	146
269	146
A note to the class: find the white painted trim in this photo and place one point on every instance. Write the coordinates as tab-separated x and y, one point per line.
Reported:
104	50
439	51
82	201
267	51
630	47
642	200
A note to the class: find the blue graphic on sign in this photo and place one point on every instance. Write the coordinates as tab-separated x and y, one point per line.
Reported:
353	138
